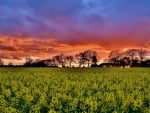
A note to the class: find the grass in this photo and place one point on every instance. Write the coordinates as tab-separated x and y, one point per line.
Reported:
77	90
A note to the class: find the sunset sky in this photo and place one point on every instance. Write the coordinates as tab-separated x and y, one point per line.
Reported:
43	28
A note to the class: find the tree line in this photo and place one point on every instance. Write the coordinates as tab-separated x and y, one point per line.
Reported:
82	59
130	57
89	58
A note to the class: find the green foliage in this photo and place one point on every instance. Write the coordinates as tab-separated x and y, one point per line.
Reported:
63	90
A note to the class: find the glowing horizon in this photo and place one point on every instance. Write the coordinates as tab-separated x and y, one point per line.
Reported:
43	29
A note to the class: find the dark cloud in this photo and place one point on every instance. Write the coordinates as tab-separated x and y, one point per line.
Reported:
7	48
36	18
51	26
56	18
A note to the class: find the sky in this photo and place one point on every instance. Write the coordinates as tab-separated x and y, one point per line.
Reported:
43	28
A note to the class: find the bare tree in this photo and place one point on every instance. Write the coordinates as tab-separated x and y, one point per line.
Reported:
59	60
87	57
29	61
80	59
142	53
125	61
53	62
49	62
1	62
114	56
131	53
69	60
94	60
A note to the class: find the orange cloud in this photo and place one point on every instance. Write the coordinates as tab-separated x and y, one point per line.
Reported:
17	48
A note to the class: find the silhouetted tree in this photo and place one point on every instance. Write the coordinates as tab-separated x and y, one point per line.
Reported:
125	61
87	57
90	56
136	63
130	57
53	62
28	62
69	60
94	60
142	53
49	62
145	63
80	59
10	64
40	63
131	54
1	62
114	56
59	60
